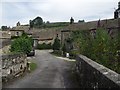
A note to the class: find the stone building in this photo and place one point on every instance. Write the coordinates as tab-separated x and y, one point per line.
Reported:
19	29
117	12
16	32
46	40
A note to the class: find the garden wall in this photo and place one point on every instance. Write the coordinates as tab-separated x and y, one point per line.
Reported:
94	75
4	42
13	65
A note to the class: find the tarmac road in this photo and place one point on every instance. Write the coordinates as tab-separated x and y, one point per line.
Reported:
51	72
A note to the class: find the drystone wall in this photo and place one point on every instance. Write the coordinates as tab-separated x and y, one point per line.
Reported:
94	75
4	42
13	65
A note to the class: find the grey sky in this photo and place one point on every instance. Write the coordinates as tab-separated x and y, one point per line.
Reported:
55	10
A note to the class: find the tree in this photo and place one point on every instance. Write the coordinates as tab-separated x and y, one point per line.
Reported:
80	21
56	44
22	44
4	27
47	22
103	49
71	20
37	22
31	24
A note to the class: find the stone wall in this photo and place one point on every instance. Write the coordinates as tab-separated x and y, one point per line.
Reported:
13	65
108	23
46	41
22	27
111	25
16	32
5	34
45	35
94	75
4	42
4	38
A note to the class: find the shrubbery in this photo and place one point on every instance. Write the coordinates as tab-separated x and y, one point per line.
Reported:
44	46
22	44
39	23
14	37
73	54
101	48
56	47
57	52
52	25
56	44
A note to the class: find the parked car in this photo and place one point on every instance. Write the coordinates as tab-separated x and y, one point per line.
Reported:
31	53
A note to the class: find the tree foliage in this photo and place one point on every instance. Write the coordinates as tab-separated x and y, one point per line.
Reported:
22	44
71	20
80	21
4	27
44	46
36	23
56	44
101	48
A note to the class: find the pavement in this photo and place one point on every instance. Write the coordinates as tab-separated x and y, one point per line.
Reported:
51	72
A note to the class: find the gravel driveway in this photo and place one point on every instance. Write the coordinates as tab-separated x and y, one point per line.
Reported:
51	72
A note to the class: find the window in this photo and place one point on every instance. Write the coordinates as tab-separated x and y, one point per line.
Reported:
17	33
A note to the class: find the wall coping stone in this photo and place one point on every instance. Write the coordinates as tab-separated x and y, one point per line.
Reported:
110	74
12	56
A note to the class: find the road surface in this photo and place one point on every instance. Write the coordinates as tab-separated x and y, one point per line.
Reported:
51	72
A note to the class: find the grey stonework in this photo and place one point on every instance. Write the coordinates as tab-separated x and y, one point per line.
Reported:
94	75
13	65
45	35
111	25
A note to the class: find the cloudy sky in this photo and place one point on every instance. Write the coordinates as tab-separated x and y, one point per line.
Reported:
13	11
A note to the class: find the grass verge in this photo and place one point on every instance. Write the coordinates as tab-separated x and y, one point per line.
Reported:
33	66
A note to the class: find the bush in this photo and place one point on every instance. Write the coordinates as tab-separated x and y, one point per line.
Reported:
64	50
44	46
102	48
56	44
73	54
57	52
53	25
14	37
82	42
22	44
